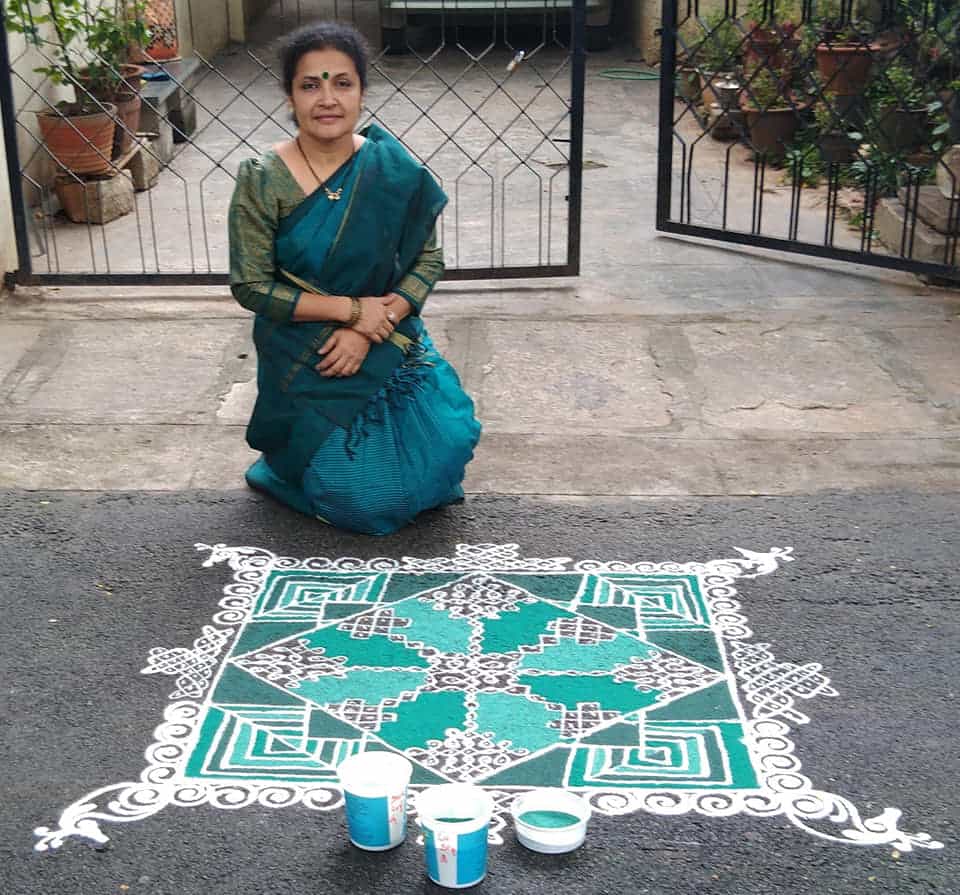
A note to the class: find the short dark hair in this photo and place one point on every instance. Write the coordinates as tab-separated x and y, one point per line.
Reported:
323	36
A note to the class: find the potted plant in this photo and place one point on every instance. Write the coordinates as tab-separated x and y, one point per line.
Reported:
718	54
772	43
836	140
112	29
771	112
897	102
844	50
79	135
949	98
688	64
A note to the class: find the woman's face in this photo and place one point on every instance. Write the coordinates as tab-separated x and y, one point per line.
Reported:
327	97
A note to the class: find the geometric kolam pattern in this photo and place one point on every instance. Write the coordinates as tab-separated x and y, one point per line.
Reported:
636	685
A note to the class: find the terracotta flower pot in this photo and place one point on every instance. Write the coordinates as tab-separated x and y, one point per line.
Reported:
899	130
836	147
688	83
128	123
768	47
771	130
131	82
126	97
80	143
132	78
845	69
164	46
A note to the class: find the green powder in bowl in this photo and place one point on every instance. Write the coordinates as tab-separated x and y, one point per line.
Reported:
551	820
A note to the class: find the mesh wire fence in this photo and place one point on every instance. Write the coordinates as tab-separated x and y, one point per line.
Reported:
825	125
482	93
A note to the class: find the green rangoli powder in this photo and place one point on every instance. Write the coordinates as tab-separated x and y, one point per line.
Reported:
548	820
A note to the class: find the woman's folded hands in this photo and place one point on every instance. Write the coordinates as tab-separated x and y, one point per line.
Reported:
345	351
377	319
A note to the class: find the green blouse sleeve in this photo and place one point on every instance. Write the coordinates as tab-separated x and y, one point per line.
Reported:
253	226
423	276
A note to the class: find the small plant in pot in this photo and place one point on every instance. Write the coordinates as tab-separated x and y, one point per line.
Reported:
689	41
109	77
773	35
771	111
836	138
898	109
844	49
774	43
79	135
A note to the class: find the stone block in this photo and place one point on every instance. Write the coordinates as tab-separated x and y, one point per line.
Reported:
162	143
96	201
184	119
170	103
891	222
935	209
150	118
144	167
948	172
159	131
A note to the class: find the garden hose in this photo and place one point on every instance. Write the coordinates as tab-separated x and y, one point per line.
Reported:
629	74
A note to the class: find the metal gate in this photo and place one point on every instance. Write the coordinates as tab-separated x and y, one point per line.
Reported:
488	94
825	127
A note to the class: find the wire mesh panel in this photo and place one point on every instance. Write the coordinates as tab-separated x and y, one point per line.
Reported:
829	127
130	180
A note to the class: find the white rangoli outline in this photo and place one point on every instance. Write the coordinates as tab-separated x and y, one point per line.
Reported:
772	688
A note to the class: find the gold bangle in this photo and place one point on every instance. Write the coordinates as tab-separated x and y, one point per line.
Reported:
355	311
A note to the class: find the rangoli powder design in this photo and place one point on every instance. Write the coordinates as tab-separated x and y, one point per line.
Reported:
636	685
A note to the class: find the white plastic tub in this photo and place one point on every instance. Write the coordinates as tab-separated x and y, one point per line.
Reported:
551	821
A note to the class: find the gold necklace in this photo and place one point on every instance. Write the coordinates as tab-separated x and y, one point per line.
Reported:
332	195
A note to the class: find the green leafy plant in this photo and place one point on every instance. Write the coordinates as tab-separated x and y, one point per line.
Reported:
883	171
940	126
896	88
836	23
933	26
802	163
85	48
764	91
857	222
827	115
111	30
721	47
774	11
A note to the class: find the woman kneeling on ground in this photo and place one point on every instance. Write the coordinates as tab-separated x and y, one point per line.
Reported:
361	423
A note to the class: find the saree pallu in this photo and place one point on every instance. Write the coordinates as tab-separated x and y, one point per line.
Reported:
370	451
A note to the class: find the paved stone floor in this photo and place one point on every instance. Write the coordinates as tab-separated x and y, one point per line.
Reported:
811	379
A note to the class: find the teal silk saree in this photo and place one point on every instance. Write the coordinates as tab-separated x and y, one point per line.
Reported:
369	451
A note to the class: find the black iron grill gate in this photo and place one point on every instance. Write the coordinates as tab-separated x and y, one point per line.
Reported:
825	127
487	93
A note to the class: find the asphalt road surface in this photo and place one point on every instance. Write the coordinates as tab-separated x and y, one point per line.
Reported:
92	582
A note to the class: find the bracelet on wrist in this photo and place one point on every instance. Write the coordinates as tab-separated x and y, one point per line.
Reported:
355	311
